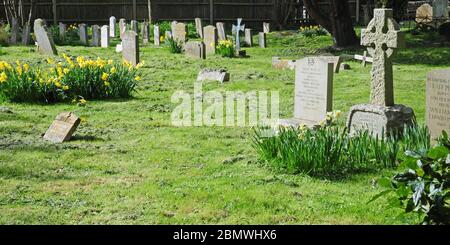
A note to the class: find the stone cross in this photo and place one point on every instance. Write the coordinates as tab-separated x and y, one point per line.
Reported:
382	37
112	26
236	29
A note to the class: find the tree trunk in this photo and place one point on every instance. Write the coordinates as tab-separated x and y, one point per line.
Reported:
149	5
339	22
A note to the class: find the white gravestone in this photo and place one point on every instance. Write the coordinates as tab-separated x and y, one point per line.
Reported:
105	34
130	47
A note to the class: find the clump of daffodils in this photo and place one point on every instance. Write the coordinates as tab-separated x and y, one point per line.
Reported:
65	78
310	31
226	48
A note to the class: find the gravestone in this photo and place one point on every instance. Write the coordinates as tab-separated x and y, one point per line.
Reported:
62	29
248	37
280	64
440	9
313	92
172	25
236	30
221	31
336	60
168	34
179	32
112	26
43	38
219	75
26	34
157	38
382	116
96	36
424	14
130	46
266	27
105	34
145	32
210	39
262	40
14	31
119	48
199	27
62	128
438	102
134	26
83	34
122	26
195	49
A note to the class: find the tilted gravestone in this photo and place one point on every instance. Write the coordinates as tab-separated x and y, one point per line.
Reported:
382	116
112	26
62	128
26	34
281	64
14	31
313	92
145	32
96	36
266	27
219	75
156	37
210	39
134	26
62	29
248	37
199	27
195	49
43	38
179	32
122	26
262	40
105	34
82	28
130	47
221	31
438	102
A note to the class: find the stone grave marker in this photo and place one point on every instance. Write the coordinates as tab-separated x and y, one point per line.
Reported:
134	26
438	102
145	32
195	49
440	9
119	48
236	30
262	40
281	64
313	92
219	75
364	58
424	14
44	39
221	31
96	36
122	26
62	128
130	46
157	38
26	34
336	60
179	32
112	26
210	39
105	34
199	27
168	34
82	28
62	29
266	27
173	24
248	37
382	116
14	31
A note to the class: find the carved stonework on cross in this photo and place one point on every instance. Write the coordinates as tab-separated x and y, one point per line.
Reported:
382	37
237	29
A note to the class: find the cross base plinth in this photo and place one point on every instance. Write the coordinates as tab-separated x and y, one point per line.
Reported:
381	121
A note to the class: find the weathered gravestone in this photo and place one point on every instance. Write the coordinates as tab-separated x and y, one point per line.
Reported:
336	60
440	9
145	32
248	37
266	27
43	38
262	40
236	30
199	27
172	25
382	117
83	34
134	26
221	31
179	32
195	49
112	26
119	48
168	34
130	46
62	128
281	64
424	14
210	39
122	26
313	92
14	31
62	29
438	102
96	36
26	34
105	34
156	37
219	75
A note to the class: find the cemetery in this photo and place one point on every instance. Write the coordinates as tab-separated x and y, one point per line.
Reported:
226	120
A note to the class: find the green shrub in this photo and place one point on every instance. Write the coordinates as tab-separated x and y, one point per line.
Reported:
424	187
63	81
175	47
70	37
4	34
226	48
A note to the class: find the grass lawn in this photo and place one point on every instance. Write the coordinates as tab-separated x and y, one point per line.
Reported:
128	165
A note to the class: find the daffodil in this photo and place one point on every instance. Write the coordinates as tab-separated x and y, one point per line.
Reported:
65	88
105	76
138	78
107	84
113	70
3	77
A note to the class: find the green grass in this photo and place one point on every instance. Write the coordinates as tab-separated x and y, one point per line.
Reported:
128	165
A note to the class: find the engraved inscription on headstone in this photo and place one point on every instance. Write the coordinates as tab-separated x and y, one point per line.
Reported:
438	102
179	32
195	49
221	31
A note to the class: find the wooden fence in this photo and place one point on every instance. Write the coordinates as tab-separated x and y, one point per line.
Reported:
254	12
